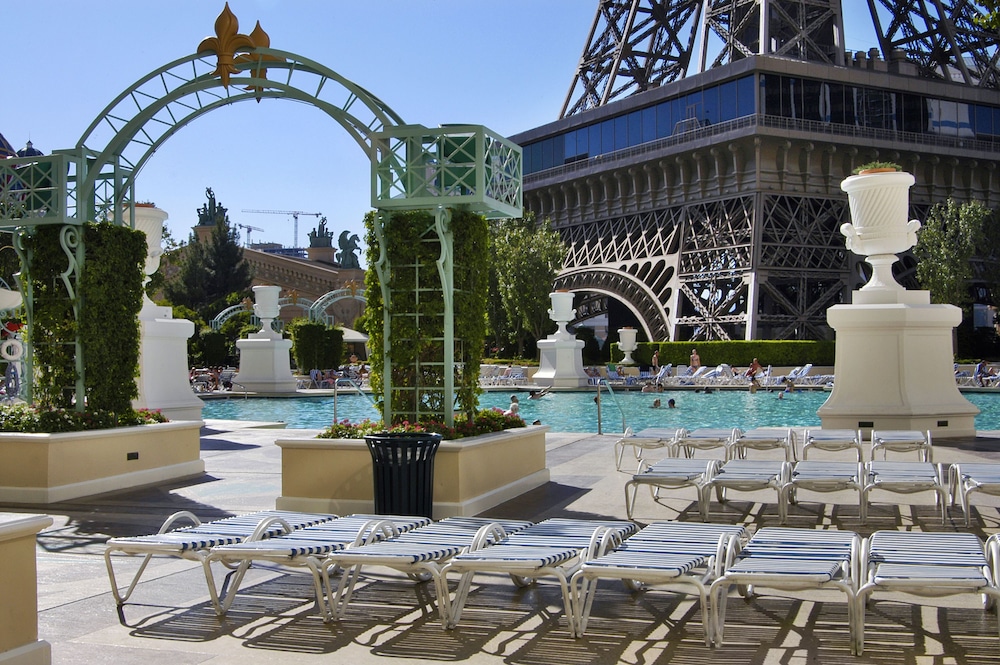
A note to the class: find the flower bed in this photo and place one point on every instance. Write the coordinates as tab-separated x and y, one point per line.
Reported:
484	422
33	419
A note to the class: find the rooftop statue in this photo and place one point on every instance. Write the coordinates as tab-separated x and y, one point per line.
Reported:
320	237
211	212
348	247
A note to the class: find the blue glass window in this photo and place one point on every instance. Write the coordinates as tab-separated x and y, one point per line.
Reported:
608	136
648	124
621	132
745	96
664	125
710	106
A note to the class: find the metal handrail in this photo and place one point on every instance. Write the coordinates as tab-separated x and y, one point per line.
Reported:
357	389
614	400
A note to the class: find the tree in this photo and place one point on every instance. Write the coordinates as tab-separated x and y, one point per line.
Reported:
209	272
990	17
946	245
528	256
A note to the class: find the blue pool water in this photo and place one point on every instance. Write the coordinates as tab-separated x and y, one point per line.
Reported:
577	412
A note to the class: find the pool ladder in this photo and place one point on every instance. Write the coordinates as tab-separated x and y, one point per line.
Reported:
603	384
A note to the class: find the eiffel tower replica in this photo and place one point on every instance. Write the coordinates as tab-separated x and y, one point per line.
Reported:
695	169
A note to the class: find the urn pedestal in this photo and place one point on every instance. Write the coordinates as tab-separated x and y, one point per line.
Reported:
265	358
561	354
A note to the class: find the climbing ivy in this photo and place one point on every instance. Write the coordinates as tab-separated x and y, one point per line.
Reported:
417	311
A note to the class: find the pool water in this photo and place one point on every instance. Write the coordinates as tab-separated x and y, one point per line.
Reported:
577	411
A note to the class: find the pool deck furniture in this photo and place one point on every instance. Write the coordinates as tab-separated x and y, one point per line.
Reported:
556	547
930	565
681	557
669	474
905	478
823	476
706	438
195	542
832	440
741	475
902	441
764	438
791	560
967	478
647	439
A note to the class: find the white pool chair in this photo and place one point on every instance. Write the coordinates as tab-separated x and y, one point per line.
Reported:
305	548
742	475
822	476
903	441
194	542
670	474
832	440
905	478
553	548
791	560
681	557
420	553
648	439
929	565
706	438
969	478
764	438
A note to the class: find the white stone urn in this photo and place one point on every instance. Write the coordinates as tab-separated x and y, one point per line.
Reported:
149	219
627	344
266	308
562	311
878	228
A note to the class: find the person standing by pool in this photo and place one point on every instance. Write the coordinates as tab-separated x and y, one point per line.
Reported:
695	361
656	361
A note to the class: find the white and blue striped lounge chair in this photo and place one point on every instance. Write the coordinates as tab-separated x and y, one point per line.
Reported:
791	560
742	475
195	542
832	440
764	438
669	474
706	438
968	478
306	548
903	441
552	548
822	476
905	478
931	565
647	439
682	557
420	553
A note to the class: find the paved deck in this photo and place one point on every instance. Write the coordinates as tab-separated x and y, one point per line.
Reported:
169	619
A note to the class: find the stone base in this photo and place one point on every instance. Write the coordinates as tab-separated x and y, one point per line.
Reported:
895	370
470	475
163	382
49	468
265	365
36	653
561	363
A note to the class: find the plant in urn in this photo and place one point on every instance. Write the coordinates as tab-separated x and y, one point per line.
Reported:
627	343
879	230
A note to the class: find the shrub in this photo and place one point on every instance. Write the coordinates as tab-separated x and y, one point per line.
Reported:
33	419
485	421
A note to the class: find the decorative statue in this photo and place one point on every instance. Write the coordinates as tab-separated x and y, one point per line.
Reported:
320	237
211	213
348	246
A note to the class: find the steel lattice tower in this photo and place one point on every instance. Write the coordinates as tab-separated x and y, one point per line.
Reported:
695	168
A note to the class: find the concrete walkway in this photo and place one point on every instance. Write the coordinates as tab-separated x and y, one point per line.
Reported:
169	619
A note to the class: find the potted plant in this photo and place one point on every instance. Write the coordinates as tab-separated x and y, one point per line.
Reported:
877	167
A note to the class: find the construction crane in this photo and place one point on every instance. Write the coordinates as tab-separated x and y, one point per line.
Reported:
295	215
249	229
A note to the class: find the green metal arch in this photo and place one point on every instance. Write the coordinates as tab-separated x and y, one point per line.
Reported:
130	129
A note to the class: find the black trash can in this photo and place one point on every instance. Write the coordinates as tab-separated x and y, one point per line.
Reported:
403	471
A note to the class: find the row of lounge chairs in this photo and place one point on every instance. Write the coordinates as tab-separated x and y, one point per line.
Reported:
950	484
702	559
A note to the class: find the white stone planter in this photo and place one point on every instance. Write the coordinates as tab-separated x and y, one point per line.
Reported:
471	475
47	468
627	344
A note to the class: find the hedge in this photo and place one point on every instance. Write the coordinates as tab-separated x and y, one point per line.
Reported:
736	353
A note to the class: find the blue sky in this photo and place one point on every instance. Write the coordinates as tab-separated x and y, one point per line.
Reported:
506	64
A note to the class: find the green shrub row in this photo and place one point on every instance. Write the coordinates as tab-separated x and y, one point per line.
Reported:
486	421
737	353
31	419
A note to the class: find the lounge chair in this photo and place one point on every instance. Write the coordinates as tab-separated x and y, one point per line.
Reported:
822	476
764	438
968	478
195	542
706	438
670	474
305	548
832	440
745	476
793	560
420	553
680	556
553	548
903	441
929	565
648	439
905	478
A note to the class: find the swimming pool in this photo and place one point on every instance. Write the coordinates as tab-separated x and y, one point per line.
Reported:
577	412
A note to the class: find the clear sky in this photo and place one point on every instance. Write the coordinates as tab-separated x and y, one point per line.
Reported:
506	64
